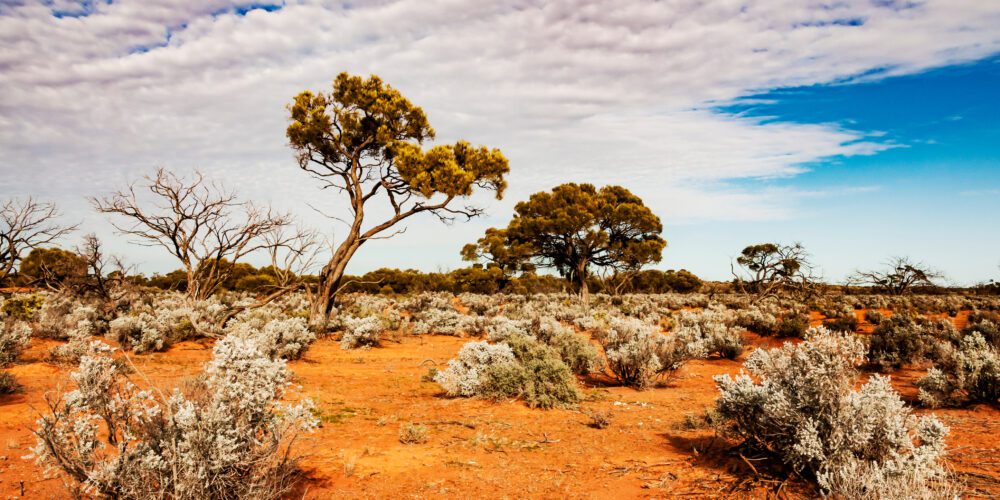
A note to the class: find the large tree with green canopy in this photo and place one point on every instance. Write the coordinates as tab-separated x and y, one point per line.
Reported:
577	227
364	141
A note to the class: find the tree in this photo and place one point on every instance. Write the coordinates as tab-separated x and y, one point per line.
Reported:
25	226
364	141
496	252
899	276
199	222
54	268
768	268
577	227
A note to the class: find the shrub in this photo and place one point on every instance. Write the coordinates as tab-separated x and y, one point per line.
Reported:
14	337
230	438
139	333
545	380
793	326
361	332
79	344
898	340
874	317
462	377
519	367
579	355
700	335
967	374
847	323
633	349
804	409
8	385
278	338
411	433
756	321
22	307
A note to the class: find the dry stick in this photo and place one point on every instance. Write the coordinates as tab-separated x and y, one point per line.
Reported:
450	422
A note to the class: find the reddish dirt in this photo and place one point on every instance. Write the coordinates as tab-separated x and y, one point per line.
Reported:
481	449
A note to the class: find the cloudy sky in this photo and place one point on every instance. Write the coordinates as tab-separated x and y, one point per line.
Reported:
863	129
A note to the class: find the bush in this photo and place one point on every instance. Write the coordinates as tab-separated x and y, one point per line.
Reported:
361	332
22	307
229	438
520	367
634	349
804	409
278	338
546	382
898	340
579	355
462	377
793	326
79	344
8	385
413	433
140	333
14	337
967	374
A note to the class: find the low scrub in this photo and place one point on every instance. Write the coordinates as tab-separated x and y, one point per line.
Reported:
801	405
229	437
968	373
519	367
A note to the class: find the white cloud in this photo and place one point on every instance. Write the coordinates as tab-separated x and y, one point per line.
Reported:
601	91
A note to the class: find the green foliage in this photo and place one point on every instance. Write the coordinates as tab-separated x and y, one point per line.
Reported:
53	267
23	307
575	227
539	376
793	325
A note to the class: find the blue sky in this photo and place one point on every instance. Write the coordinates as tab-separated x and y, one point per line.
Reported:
864	129
935	196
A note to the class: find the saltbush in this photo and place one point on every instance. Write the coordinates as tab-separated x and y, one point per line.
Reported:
229	438
969	373
802	406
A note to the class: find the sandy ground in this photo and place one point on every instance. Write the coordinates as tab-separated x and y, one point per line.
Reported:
655	446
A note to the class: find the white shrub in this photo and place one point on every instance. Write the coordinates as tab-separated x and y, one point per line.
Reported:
633	349
14	337
462	377
142	333
805	409
278	338
361	332
230	440
969	373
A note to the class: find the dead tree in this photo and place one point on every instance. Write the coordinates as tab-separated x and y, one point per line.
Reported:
107	275
769	268
898	277
293	252
199	222
25	226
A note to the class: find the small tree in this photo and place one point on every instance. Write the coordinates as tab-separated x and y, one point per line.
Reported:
577	227
53	268
898	277
768	268
199	222
494	250
25	226
363	140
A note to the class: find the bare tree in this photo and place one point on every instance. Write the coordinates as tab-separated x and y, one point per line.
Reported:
25	226
898	277
107	275
199	222
767	268
293	252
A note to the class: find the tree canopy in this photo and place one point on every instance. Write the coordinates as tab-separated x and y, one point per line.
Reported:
364	139
577	227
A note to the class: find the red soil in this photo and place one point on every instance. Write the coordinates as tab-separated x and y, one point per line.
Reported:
481	449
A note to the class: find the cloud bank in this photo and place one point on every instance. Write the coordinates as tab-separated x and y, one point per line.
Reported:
95	93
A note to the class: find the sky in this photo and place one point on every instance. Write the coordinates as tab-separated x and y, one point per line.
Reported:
862	129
